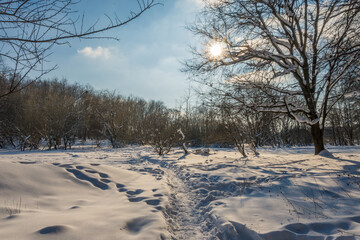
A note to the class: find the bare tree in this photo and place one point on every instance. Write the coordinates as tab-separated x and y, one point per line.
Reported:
303	55
29	29
245	126
344	119
113	118
159	129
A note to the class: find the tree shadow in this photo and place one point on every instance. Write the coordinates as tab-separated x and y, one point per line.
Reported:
183	156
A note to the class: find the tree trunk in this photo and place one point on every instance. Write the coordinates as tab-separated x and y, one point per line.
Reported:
318	138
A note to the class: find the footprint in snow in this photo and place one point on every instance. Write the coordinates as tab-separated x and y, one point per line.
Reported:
137	224
63	165
103	175
136	192
57	229
105	180
95	182
121	187
153	202
136	199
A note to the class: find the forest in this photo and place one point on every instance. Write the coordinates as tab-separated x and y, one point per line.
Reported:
55	114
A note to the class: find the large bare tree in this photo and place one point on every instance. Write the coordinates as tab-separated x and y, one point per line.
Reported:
302	55
30	28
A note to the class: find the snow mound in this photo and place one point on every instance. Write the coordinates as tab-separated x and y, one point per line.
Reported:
202	151
234	230
326	153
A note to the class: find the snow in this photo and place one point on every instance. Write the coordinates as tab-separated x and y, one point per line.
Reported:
66	199
182	139
352	94
131	193
302	119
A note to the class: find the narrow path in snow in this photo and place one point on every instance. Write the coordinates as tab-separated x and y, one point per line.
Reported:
185	219
189	220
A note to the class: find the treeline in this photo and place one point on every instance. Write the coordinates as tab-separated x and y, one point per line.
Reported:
55	114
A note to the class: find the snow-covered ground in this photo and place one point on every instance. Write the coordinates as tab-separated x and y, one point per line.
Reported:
131	193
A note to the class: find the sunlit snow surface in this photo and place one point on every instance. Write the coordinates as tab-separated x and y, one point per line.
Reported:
131	193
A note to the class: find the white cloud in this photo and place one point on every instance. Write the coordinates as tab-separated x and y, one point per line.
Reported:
98	52
208	2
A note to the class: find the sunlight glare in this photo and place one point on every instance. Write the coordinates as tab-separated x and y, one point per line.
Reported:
216	50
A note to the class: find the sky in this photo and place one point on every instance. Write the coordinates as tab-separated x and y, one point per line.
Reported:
145	63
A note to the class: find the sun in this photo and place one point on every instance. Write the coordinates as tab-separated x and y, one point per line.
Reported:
216	50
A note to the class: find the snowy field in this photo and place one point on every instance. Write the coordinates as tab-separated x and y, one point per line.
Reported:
131	193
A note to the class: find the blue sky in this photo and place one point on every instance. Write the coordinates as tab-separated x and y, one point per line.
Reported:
144	63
